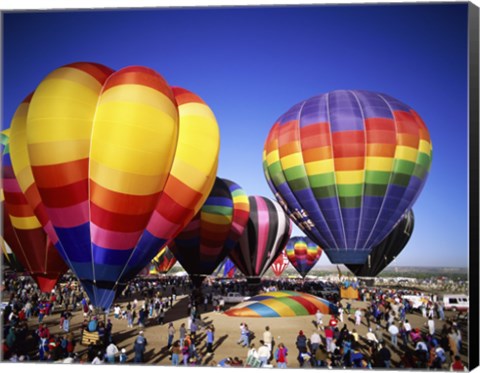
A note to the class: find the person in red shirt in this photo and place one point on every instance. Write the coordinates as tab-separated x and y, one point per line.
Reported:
457	365
333	321
281	356
328	337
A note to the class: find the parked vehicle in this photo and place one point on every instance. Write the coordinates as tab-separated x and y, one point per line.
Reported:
233	298
455	302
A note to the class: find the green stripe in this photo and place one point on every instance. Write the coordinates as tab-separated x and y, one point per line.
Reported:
377	177
375	190
401	179
350	202
322	180
350	190
298	184
220	210
325	192
294	173
296	307
403	167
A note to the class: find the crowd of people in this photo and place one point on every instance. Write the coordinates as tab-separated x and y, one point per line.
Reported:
335	342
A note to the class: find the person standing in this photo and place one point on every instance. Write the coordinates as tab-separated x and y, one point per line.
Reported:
171	334
393	330
123	356
111	352
268	338
176	353
315	341
263	353
183	333
358	316
281	356
431	326
210	339
139	347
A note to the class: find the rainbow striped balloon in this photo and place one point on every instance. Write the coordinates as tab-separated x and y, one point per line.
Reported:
211	235
122	162
345	166
282	304
303	253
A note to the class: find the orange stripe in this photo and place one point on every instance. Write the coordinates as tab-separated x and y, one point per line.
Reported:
317	154
181	193
122	203
349	163
58	175
381	150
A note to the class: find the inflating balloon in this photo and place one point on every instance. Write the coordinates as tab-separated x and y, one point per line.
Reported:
121	161
265	236
387	250
213	232
280	264
345	166
303	253
24	233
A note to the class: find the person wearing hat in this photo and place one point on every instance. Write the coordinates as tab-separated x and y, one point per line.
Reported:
123	356
139	347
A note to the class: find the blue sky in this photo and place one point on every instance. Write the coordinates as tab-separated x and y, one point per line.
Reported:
251	64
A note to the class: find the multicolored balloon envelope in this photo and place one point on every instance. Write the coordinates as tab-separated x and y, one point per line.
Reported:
263	239
23	232
303	253
282	304
213	232
163	261
387	250
346	165
225	269
115	164
280	264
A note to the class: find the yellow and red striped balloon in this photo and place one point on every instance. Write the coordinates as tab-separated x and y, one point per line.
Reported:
121	161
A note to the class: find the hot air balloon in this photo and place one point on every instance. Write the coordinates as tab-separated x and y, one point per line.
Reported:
163	261
387	250
265	236
280	264
121	162
24	233
303	253
211	235
345	166
225	269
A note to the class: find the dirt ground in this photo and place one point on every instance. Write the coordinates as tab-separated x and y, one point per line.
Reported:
227	332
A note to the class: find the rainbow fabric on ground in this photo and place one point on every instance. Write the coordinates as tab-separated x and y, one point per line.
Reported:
282	304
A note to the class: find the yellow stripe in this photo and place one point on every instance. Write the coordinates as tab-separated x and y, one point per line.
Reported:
379	163
425	147
349	177
18	149
279	307
292	160
73	75
25	223
406	153
189	175
123	182
59	152
320	167
196	109
241	199
134	138
216	219
139	94
198	142
272	157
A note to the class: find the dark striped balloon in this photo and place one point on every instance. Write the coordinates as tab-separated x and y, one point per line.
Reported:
264	238
387	250
213	232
